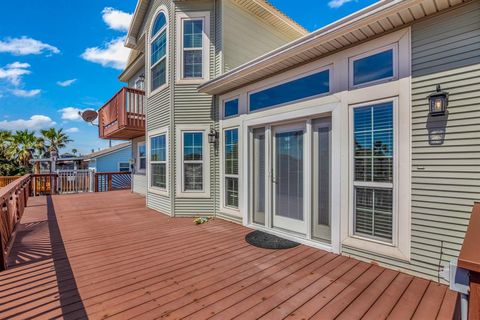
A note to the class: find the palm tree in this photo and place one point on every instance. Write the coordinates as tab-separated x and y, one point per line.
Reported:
74	151
55	139
22	146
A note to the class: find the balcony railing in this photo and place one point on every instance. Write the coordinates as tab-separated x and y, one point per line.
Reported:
123	116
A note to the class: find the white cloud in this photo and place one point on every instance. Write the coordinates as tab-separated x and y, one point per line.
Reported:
25	46
66	83
34	123
71	113
72	130
112	54
337	3
116	19
26	93
13	72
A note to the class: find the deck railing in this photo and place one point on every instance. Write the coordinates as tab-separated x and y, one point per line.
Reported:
13	199
5	180
110	181
469	259
123	116
43	184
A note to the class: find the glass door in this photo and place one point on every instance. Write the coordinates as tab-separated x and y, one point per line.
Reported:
288	162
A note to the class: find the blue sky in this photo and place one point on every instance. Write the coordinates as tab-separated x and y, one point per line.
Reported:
58	57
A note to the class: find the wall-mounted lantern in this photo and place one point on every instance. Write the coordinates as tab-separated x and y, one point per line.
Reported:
212	136
438	102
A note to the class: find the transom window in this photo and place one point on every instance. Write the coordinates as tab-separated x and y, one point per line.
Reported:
373	171
193	161
142	157
308	86
230	108
158	52
158	161
231	168
193	48
373	68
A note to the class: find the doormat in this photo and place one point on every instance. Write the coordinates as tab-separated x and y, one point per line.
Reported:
268	241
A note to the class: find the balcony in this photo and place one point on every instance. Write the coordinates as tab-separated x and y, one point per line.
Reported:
123	116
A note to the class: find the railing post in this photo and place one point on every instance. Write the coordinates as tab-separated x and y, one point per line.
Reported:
109	183
96	182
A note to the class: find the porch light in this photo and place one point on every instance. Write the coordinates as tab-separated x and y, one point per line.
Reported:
438	102
213	136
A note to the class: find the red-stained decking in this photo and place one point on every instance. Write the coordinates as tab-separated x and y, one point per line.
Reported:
105	255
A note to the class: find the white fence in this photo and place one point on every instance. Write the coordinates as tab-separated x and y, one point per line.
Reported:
75	181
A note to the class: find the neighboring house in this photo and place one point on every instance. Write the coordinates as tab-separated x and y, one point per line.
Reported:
113	159
327	140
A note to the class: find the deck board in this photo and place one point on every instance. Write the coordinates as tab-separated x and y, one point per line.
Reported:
104	255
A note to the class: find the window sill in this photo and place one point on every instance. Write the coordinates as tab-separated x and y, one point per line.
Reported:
158	90
191	81
188	195
161	192
376	247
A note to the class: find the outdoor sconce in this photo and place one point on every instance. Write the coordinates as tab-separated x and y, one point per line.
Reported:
213	136
438	102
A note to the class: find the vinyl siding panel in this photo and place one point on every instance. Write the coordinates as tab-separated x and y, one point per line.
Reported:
109	162
245	36
192	107
445	169
158	108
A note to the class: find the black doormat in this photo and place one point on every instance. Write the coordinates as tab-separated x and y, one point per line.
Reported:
268	241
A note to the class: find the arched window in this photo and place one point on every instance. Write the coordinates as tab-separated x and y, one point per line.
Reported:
158	52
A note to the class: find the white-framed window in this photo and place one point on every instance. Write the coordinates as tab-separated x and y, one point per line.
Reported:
230	108
194	161
158	160
140	83
231	168
374	188
141	157
158	51
193	51
373	67
124	167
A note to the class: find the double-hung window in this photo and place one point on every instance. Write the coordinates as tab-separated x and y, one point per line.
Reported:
193	161
124	167
193	48
231	168
373	181
158	161
158	52
141	157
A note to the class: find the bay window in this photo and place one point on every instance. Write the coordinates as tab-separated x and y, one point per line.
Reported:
158	52
373	181
158	161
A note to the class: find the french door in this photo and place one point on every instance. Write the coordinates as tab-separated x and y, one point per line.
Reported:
290	177
288	164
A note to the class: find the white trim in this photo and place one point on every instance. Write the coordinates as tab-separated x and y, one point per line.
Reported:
181	193
153	189
137	158
351	61
148	76
180	18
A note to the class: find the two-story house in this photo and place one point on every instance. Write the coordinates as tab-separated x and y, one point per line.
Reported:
361	138
176	46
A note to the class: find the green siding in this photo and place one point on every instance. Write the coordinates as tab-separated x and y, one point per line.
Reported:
246	37
445	177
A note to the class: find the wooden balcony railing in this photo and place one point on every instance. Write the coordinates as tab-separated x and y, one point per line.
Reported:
469	259
13	199
110	181
5	180
123	116
43	184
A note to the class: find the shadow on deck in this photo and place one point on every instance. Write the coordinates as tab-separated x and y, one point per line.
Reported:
104	255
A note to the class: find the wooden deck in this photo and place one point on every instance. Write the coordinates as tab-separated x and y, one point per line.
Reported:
104	255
